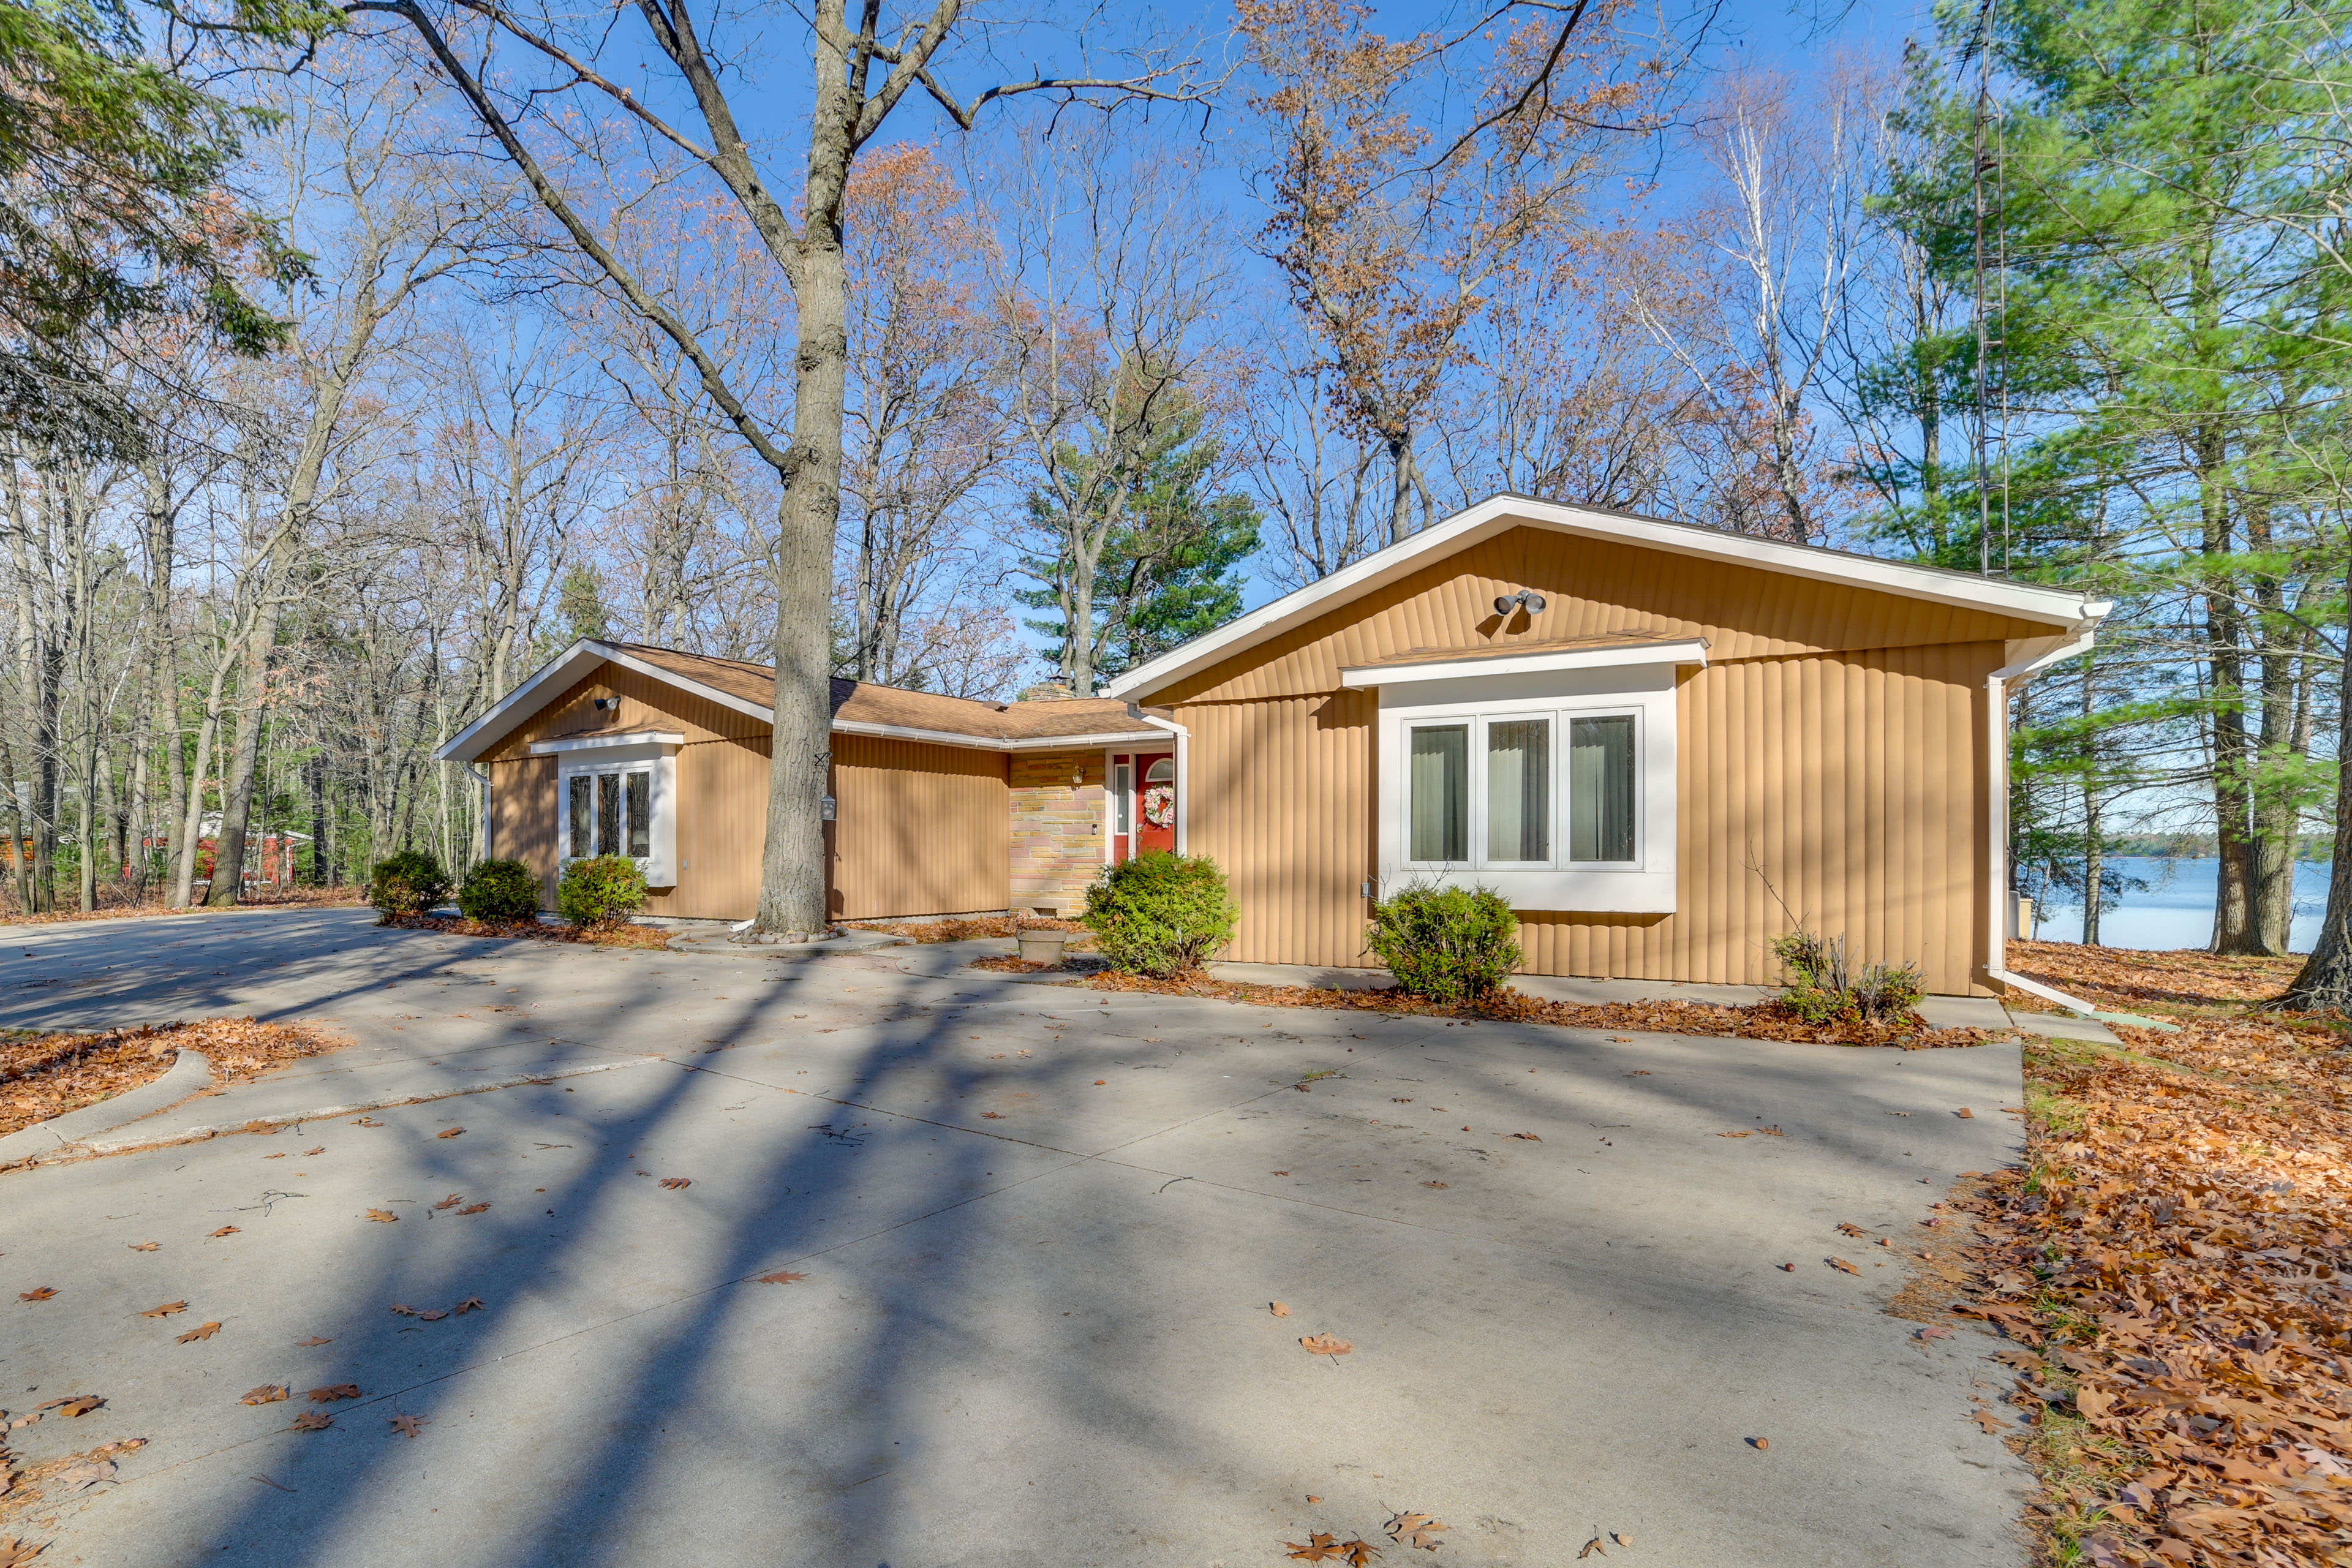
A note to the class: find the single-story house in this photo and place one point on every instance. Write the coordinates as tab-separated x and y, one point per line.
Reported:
1666	744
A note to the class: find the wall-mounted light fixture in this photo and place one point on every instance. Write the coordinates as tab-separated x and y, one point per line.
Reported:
1528	597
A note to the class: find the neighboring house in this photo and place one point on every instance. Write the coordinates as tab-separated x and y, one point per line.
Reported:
1665	745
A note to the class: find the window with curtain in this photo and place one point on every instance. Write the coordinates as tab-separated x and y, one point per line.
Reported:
1440	805
1601	784
609	814
1519	789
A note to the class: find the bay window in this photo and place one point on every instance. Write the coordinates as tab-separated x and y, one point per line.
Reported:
617	795
1555	789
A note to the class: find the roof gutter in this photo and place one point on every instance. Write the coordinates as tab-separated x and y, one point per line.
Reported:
1999	900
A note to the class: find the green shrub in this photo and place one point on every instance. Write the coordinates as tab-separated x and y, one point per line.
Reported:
1449	944
1160	914
499	893
1824	988
407	883
602	891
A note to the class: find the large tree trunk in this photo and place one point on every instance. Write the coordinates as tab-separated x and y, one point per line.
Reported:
792	873
244	762
2327	978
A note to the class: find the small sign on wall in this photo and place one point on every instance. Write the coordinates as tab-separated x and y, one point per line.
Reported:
825	808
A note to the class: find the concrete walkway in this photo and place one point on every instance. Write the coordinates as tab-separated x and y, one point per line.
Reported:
1035	1233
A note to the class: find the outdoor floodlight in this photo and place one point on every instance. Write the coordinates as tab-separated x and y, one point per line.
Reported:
1527	596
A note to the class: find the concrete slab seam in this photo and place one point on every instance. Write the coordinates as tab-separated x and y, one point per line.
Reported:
89	1147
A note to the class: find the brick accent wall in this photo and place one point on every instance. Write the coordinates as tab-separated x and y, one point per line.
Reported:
1058	828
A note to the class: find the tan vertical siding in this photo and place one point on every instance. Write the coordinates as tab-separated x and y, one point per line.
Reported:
1594	587
722	827
920	829
1280	795
522	818
1852	782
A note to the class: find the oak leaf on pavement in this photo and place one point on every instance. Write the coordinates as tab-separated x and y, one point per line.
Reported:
1416	1530
165	1311
1326	1344
200	1331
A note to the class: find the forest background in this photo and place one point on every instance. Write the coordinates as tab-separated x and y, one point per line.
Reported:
332	415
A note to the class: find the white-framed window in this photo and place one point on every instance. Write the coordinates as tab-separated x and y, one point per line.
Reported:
1556	790
608	810
1525	790
617	795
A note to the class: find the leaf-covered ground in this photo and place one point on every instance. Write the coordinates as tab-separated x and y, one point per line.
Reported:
622	934
1762	1021
42	1076
2171	1263
289	898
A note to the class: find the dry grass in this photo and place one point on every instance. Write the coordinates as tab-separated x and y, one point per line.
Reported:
42	1076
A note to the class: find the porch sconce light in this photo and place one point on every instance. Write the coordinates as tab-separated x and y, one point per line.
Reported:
1533	601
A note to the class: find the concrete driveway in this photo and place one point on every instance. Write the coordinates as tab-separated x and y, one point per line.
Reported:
1038	1229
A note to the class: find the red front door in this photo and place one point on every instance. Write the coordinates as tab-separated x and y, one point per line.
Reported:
1155	802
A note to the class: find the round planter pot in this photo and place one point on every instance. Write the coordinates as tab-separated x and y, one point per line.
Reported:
1043	946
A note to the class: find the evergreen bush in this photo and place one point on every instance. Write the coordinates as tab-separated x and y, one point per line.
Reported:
408	882
499	893
1160	914
603	889
1449	944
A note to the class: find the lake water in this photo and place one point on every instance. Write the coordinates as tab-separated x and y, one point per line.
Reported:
2176	908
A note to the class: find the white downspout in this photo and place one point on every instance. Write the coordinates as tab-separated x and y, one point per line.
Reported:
489	851
1999	899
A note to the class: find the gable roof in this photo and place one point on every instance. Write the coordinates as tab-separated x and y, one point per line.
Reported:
859	708
2059	608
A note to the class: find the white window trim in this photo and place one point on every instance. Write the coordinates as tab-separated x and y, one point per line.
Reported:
620	754
1644	885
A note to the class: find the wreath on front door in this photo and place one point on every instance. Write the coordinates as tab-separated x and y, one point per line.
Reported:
1159	806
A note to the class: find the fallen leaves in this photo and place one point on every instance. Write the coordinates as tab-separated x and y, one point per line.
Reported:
1528	1136
475	1208
382	1216
15	1553
1277	1308
470	1304
146	1245
451	1201
1326	1344
165	1311
451	1132
332	1391
1964	1114
410	1425
78	1404
49	1075
1989	1422
781	1277
1854	1231
990	1116
320	1150
313	1339
38	1293
200	1331
311	1421
367	1122
676	1184
1841	1265
225	1230
1416	1530
267	1394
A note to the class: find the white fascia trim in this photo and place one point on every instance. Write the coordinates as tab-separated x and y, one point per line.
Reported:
511	709
559	672
655	672
2056	606
1998	898
602	743
1082	742
1693	651
908	733
990	744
